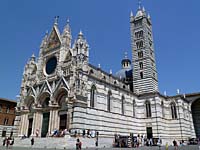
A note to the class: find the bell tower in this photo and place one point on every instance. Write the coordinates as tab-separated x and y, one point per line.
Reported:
144	65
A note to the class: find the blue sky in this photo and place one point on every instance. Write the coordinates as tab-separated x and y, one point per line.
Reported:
105	24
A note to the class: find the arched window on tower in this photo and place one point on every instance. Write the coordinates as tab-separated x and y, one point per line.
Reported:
133	108
109	101
173	110
148	109
123	104
92	96
163	109
141	65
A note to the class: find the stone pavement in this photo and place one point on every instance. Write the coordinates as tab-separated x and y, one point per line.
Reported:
69	144
141	148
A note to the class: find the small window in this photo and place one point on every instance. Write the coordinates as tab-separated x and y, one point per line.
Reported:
8	109
140	54
5	121
141	75
163	109
173	111
122	105
109	101
141	65
139	44
148	109
92	96
133	108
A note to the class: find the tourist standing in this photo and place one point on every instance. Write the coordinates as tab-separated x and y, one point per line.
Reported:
175	145
78	144
32	141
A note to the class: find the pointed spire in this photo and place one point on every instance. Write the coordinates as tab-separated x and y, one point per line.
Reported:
139	4
125	55
56	20
32	57
67	29
131	14
143	9
148	16
44	41
80	33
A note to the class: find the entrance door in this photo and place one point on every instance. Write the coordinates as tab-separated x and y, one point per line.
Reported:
63	121
45	124
196	117
149	133
30	124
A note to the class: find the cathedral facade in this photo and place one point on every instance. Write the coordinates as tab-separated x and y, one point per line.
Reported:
62	90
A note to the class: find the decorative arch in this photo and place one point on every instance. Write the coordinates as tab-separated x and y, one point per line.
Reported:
93	92
148	108
43	99
29	101
61	96
173	110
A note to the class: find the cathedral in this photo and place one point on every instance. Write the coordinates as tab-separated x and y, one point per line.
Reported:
62	90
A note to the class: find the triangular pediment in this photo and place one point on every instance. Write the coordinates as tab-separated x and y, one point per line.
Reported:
62	84
31	92
54	39
68	56
46	87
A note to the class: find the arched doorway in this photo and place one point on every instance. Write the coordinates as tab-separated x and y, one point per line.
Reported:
29	105
196	116
44	103
61	98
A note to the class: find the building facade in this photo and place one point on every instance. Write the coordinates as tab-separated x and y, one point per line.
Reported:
7	117
62	90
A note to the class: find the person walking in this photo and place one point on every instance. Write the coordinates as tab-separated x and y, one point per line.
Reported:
175	145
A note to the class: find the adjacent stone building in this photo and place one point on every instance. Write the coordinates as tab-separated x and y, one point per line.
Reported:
62	90
7	117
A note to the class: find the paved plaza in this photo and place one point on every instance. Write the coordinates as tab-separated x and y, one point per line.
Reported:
192	147
87	143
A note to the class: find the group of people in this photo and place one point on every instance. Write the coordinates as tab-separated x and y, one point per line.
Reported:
59	133
8	141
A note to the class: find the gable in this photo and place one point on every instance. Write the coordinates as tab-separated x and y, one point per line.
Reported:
53	40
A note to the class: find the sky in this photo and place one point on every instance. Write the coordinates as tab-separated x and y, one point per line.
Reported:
105	25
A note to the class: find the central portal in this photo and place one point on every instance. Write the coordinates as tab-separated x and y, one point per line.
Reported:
63	121
45	124
30	126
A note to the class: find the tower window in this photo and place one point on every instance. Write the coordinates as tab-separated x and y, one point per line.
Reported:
139	34
141	65
148	109
140	54
139	44
138	23
141	75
